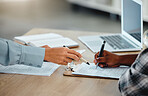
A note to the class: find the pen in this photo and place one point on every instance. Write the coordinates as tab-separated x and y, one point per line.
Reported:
101	52
81	58
85	61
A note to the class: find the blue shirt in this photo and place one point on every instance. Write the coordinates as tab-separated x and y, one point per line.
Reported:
13	53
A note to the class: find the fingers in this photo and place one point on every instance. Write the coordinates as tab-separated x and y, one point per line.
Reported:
68	60
104	54
96	55
74	52
101	60
64	63
74	57
71	54
61	56
103	65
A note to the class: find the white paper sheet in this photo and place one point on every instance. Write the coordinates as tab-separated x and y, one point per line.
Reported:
90	70
37	37
58	42
46	70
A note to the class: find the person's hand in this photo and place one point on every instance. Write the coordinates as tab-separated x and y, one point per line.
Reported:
61	55
109	59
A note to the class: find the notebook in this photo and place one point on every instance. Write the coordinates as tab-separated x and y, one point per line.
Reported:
84	70
50	39
131	38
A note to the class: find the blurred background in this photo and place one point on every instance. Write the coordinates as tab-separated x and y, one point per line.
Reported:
19	16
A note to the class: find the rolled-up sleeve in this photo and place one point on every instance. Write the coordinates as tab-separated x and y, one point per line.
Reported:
13	53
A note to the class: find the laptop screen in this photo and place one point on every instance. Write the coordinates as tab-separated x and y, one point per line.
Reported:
132	18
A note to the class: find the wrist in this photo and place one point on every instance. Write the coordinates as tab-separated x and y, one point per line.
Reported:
127	59
45	56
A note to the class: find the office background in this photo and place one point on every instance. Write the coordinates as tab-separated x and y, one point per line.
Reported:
19	16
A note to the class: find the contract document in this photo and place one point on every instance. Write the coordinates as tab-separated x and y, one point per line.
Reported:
90	70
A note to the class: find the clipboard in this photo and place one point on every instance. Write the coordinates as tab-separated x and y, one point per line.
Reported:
70	74
92	72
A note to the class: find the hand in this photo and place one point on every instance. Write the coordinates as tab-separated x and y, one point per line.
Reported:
61	55
109	59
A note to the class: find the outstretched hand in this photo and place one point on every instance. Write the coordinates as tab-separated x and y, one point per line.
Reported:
61	55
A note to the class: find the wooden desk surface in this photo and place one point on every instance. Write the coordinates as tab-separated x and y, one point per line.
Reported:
57	84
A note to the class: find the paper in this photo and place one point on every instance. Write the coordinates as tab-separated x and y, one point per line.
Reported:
90	70
29	38
50	39
81	51
60	42
46	70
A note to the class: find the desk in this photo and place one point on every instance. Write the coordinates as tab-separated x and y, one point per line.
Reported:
57	84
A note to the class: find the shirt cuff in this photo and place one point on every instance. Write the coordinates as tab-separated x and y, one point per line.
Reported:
32	56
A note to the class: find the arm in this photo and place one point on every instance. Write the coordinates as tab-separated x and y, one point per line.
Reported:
113	60
134	82
13	53
127	59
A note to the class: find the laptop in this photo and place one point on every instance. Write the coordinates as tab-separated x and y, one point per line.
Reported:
130	38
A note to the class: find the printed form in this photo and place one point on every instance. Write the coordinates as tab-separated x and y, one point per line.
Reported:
90	70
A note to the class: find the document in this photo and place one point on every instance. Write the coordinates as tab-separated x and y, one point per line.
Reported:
46	70
90	70
50	39
37	37
59	42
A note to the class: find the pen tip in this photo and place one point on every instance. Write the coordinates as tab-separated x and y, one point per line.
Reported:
104	41
88	63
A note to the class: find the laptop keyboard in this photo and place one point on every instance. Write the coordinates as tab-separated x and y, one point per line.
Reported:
137	36
117	42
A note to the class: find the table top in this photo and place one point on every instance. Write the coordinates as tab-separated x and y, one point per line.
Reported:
57	84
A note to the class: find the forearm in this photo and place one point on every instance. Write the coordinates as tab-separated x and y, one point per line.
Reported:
127	59
134	82
13	53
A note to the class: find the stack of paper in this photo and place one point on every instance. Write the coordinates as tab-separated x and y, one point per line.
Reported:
50	39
